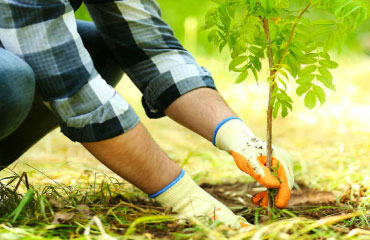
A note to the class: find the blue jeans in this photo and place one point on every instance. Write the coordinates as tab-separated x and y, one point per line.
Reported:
24	119
17	89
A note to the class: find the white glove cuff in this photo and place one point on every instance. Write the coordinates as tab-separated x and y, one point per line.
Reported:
232	134
189	200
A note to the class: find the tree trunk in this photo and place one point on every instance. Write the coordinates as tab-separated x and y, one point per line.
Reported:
272	85
269	111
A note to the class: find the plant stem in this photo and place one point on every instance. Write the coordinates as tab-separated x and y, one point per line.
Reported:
273	70
269	109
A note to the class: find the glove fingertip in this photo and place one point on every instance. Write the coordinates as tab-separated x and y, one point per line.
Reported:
264	202
283	196
269	181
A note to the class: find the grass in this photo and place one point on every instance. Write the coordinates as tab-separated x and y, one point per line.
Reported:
76	197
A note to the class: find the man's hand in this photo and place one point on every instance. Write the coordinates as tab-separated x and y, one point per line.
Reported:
186	198
249	153
203	111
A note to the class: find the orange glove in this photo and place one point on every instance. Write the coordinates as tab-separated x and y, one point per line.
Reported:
268	180
233	136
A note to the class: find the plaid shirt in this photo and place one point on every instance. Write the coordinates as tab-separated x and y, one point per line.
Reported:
44	34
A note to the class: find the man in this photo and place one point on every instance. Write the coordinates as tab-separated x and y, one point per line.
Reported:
44	36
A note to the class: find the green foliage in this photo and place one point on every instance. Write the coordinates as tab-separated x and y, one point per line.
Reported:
25	200
302	35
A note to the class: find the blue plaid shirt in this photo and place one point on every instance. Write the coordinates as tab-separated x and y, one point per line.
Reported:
44	34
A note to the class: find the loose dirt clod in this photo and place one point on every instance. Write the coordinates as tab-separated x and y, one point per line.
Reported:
62	217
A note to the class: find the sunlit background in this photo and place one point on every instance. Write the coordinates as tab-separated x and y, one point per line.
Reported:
330	144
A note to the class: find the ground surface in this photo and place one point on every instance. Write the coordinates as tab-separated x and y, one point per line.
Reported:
330	146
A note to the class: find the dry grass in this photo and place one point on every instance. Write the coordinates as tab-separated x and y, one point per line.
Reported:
330	145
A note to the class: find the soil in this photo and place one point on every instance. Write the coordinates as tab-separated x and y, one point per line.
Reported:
241	193
304	202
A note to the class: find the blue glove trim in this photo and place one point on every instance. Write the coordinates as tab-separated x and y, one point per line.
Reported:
169	185
220	125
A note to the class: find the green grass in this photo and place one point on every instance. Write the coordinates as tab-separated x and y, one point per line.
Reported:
108	210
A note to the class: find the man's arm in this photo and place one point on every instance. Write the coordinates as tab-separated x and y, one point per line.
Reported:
148	168
92	112
201	111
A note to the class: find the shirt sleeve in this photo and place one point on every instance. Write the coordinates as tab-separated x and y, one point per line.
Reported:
44	34
148	52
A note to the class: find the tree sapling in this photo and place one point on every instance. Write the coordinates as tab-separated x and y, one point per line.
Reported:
294	36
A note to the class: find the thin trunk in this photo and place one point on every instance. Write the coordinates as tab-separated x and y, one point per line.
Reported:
269	110
273	70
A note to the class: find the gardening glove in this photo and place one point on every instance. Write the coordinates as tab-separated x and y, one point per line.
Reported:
186	198
249	153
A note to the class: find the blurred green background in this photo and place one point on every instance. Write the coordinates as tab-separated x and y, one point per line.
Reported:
187	17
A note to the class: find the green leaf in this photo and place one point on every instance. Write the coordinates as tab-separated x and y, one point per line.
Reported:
324	55
303	89
350	9
264	4
327	82
310	100
308	58
363	15
306	79
236	62
282	82
284	111
287	104
256	63
242	76
222	45
311	46
298	54
325	74
324	22
254	71
255	50
284	96
270	5
212	34
25	200
307	70
328	64
330	42
293	65
320	94
276	109
339	5
283	73
252	4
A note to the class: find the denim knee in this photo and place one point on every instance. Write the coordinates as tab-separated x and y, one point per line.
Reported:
17	89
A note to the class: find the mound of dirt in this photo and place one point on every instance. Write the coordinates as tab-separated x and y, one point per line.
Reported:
233	194
305	201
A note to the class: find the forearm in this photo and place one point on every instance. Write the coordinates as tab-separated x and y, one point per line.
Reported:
137	158
200	110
